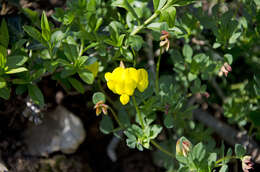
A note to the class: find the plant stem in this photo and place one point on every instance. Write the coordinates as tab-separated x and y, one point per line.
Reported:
116	117
107	97
148	21
157	73
225	158
138	112
162	149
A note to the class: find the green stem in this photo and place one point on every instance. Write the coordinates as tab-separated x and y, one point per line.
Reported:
148	21
107	97
162	149
157	73
225	158
81	48
116	117
251	129
138	112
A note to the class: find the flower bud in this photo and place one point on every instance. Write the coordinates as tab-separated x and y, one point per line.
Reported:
247	164
101	107
183	147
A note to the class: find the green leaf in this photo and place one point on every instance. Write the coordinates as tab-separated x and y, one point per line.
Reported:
239	150
234	37
32	15
71	52
123	117
86	76
169	121
57	37
4	35
67	72
199	152
212	159
81	60
46	32
35	34
36	95
2	83
77	85
97	97
2	59
125	4
169	16
182	159
255	117
5	93
228	58
20	89
155	131
155	4
16	61
224	168
216	45
158	26
120	40
16	70
187	52
161	4
91	5
38	74
256	85
106	125
136	42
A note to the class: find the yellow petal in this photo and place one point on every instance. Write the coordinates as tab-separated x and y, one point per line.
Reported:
124	99
108	76
143	80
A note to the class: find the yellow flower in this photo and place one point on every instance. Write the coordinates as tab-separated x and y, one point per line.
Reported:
123	81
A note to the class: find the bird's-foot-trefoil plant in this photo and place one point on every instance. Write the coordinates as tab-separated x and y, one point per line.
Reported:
145	62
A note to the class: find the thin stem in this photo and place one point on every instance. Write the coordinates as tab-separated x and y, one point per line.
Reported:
157	72
81	48
148	21
162	149
116	117
225	158
251	129
138	112
107	97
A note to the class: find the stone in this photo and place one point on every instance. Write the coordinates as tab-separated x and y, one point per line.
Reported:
60	130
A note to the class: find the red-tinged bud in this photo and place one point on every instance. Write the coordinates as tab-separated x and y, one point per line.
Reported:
206	94
247	163
101	107
183	147
225	69
165	43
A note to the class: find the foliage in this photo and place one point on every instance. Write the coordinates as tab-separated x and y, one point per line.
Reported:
200	40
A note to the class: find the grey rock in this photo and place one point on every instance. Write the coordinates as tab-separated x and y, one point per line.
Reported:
60	130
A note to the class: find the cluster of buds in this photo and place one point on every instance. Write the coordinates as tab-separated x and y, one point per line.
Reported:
225	69
183	147
165	43
247	164
101	107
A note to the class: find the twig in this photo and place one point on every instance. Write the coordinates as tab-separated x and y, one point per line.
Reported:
218	89
229	134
